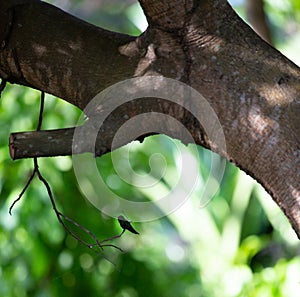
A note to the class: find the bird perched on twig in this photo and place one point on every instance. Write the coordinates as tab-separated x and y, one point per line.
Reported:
126	225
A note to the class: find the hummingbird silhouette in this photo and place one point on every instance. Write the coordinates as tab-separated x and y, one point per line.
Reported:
126	225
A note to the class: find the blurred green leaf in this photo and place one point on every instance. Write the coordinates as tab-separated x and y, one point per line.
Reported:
239	244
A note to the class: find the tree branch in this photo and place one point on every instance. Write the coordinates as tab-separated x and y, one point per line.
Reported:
59	142
86	58
49	143
60	216
254	90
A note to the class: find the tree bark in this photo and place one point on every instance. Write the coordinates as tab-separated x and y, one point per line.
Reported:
253	88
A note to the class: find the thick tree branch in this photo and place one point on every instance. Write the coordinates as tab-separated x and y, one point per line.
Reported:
59	142
47	49
254	90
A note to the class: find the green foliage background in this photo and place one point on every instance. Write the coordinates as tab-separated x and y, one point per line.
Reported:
240	244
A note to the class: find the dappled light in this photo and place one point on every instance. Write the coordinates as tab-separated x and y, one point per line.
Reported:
220	234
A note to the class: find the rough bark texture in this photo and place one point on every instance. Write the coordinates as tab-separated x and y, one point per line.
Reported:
253	88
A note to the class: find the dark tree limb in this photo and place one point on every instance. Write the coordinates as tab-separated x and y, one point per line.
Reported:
254	89
49	143
59	142
87	57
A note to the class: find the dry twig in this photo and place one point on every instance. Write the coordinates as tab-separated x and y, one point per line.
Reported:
60	216
2	86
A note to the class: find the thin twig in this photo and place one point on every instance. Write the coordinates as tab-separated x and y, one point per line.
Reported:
23	191
98	243
78	225
60	216
2	86
39	125
42	179
114	237
35	170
